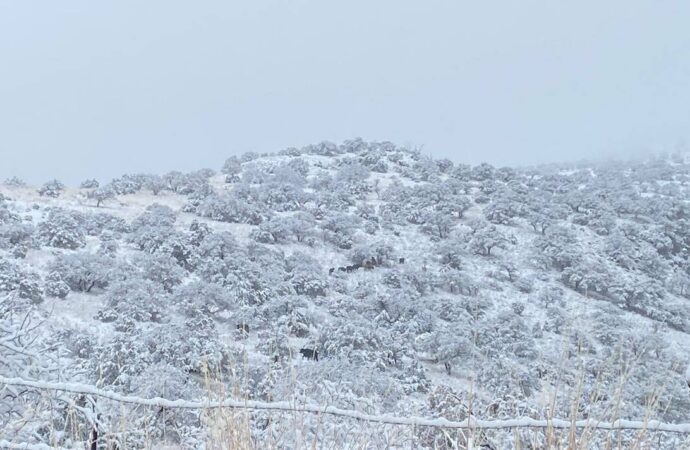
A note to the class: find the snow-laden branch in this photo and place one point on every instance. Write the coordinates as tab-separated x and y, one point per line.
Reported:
471	423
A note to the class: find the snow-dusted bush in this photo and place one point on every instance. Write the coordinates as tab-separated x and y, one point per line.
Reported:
61	229
83	271
200	298
155	184
14	182
485	239
280	229
17	237
96	224
55	287
232	167
503	211
52	188
377	252
324	148
352	177
306	276
186	184
482	172
150	229
101	194
191	347
339	229
160	268
438	224
17	279
128	184
134	299
290	313
228	208
90	183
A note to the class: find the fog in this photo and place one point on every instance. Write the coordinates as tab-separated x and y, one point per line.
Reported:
97	89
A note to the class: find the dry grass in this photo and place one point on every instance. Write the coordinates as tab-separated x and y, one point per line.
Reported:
228	428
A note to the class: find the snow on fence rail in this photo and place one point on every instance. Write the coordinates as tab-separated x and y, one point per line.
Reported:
470	423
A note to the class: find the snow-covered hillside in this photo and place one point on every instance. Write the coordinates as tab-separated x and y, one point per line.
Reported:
362	276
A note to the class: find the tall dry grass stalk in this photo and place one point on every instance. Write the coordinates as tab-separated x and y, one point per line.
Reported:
236	428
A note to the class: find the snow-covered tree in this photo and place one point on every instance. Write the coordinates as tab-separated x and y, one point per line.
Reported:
487	238
55	286
90	183
83	271
61	229
134	299
52	188
101	194
25	283
155	184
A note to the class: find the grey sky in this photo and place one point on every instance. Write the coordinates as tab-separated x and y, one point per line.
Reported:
103	88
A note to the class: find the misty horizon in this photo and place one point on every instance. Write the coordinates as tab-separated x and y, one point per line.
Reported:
94	90
74	179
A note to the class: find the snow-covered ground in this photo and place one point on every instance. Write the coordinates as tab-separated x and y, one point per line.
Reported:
589	315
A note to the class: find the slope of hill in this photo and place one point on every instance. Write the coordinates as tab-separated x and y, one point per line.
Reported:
363	276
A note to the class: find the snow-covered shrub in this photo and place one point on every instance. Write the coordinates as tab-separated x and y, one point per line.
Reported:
306	276
232	168
353	341
299	165
451	252
55	287
25	283
275	344
228	208
482	172
128	184
214	245
339	228
191	347
425	169
324	148
155	184
178	247
101	194
61	229
83	271
290	313
160	268
377	252
281	197
199	298
437	224
116	362
525	284
90	183
503	211
194	183
507	333
17	237
109	244
14	182
95	224
251	277
150	229
352	177
135	299
52	188
174	426
485	239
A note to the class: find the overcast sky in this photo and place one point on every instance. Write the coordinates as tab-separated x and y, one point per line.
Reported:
97	89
